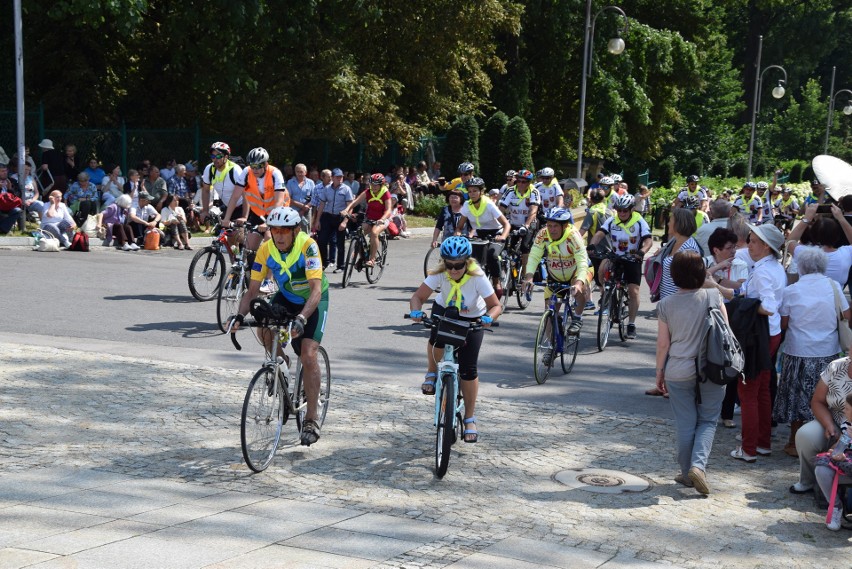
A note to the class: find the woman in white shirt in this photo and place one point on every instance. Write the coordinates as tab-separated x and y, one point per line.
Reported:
174	220
827	233
465	291
56	219
112	186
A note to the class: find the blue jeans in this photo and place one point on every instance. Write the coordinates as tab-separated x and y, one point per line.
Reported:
695	423
9	220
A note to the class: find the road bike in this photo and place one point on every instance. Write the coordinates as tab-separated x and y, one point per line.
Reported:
614	301
512	272
431	259
273	393
359	252
552	338
207	268
449	404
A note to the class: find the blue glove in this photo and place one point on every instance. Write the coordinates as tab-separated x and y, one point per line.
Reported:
486	319
415	314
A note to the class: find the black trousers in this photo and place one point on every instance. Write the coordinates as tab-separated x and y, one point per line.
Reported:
329	227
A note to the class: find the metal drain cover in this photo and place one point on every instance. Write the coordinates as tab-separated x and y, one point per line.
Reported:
601	481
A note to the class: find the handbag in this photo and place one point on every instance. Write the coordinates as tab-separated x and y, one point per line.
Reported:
9	201
90	226
844	333
80	242
45	242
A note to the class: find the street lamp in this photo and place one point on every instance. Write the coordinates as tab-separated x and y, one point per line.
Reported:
777	92
847	110
615	46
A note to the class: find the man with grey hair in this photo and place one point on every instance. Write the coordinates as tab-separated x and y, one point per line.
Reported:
301	189
720	211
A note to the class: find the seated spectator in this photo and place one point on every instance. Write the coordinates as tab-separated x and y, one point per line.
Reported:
30	195
82	198
9	215
56	219
144	217
169	171
179	187
133	186
112	186
155	186
114	224
174	220
53	163
398	216
435	171
73	164
95	172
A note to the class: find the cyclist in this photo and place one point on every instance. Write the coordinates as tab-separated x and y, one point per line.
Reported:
818	194
510	181
691	189
262	186
766	200
378	200
465	174
488	222
788	208
693	203
220	175
521	205
631	240
749	204
465	294
293	260
552	194
561	244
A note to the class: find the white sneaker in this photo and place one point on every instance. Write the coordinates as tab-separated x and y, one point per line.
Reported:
836	519
134	247
267	287
126	247
740	454
331	267
737	410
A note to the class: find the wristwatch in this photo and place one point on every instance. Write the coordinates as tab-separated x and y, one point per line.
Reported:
301	318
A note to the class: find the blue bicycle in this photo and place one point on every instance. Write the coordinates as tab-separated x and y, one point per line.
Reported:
553	339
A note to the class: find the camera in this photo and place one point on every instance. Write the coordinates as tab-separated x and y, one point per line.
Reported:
824	209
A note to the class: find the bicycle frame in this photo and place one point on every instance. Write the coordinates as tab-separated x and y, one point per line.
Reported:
448	365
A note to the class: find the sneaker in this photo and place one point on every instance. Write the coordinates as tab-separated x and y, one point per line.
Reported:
729	424
738	453
681	479
336	270
737	410
590	305
575	327
134	247
126	247
764	451
799	488
631	331
699	480
266	287
836	518
331	266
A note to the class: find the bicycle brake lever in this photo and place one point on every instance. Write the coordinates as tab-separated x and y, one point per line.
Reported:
234	341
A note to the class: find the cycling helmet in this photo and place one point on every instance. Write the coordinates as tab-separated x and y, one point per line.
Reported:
559	215
616	178
692	202
377	179
475	182
456	247
525	175
749	186
257	156
692	179
787	190
283	217
607	181
547	172
511	173
597	195
221	147
627	201
466	168
762	185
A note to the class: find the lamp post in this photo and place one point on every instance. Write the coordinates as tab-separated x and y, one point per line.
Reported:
615	46
847	110
777	92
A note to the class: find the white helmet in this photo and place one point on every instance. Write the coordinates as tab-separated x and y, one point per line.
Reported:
607	181
257	155
547	172
616	178
283	217
627	201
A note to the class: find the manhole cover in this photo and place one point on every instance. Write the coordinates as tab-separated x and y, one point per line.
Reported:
601	481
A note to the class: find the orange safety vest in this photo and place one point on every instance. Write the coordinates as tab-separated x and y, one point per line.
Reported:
262	203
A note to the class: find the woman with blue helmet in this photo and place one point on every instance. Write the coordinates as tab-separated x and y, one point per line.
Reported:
466	294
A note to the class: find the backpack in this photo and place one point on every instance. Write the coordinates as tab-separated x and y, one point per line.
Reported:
654	269
720	358
80	242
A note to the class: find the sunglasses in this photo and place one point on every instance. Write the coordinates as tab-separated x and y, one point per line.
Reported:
625	209
216	156
255	166
455	266
281	230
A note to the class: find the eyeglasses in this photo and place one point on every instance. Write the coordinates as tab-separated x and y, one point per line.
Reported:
624	209
256	166
216	156
455	266
281	230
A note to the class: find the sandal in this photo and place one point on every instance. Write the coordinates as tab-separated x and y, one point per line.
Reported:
654	392
310	432
428	385
474	434
370	263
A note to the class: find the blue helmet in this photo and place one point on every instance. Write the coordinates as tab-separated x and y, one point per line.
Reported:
466	168
559	215
456	247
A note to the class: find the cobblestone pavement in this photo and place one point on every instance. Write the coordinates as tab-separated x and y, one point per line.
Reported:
155	421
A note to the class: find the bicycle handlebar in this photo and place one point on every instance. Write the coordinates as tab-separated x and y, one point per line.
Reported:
433	321
252	323
615	257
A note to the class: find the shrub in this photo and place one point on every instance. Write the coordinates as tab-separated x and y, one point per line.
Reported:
517	145
719	169
738	169
760	169
491	168
461	145
796	173
808	173
695	166
665	173
429	206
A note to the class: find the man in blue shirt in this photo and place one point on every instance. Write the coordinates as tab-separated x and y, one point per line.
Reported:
301	190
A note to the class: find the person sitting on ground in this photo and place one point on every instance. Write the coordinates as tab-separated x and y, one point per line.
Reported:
56	219
179	187
114	224
835	463
11	209
82	197
155	186
112	186
30	196
174	220
144	217
133	186
95	172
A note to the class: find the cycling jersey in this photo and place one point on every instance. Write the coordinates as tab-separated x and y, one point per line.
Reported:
811	198
456	184
376	203
787	207
222	181
549	195
260	201
749	207
291	270
685	193
627	236
700	218
519	205
767	207
566	257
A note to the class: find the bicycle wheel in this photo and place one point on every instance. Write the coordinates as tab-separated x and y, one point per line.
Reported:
325	390
445	435
262	418
570	345
230	294
621	306
505	281
604	320
205	273
544	347
432	256
351	256
523	301
374	273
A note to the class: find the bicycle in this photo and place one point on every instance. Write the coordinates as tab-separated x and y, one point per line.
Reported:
358	253
512	273
430	260
614	302
552	338
449	404
235	284
207	268
269	401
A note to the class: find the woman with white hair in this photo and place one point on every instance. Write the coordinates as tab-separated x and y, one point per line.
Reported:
114	223
808	314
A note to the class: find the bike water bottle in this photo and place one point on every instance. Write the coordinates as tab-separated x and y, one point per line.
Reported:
543	270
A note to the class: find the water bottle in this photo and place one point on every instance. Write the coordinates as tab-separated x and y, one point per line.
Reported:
543	270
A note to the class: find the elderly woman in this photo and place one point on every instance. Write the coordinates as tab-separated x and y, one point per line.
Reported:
114	223
678	340
827	233
112	186
82	197
808	314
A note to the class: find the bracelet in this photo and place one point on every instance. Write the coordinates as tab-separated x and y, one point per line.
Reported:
301	318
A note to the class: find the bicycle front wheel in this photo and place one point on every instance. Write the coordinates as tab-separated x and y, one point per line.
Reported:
230	294
325	390
351	257
604	320
374	273
621	306
523	301
505	281
262	418
432	256
570	345
445	432
205	273
544	347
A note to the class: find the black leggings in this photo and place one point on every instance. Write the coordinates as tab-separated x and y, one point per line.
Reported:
467	355
488	256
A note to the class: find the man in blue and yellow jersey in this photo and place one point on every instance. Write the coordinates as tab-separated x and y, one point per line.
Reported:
293	260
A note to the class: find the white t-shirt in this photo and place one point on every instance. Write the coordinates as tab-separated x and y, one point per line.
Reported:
146	213
684	193
474	292
226	187
519	209
488	219
277	179
838	265
809	303
167	214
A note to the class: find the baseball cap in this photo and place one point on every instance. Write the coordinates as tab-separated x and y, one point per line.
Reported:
337	172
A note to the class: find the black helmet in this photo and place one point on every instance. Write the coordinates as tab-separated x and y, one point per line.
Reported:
692	178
